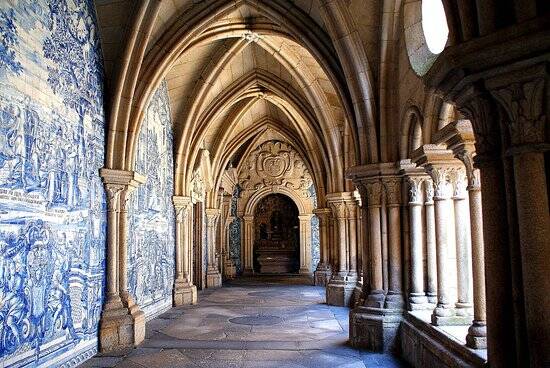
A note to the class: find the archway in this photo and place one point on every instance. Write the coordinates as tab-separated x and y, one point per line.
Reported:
276	235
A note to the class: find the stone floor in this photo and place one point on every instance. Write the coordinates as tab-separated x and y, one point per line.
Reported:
268	322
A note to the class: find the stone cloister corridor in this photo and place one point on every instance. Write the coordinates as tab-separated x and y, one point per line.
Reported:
164	163
279	322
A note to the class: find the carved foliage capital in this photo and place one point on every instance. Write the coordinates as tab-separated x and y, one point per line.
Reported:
471	172
113	192
393	191
415	189
523	104
428	191
374	193
441	176
459	183
339	209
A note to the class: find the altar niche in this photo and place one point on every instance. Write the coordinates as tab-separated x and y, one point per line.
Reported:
276	235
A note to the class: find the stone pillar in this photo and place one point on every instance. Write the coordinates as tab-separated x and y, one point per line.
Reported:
305	243
394	297
323	271
523	97
441	166
213	276
431	253
248	235
341	285
417	295
463	243
477	333
122	323
376	295
352	228
374	325
184	290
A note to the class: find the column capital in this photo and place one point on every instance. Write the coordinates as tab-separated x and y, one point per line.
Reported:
440	164
392	186
339	209
459	183
248	218
121	177
305	217
415	189
118	185
521	94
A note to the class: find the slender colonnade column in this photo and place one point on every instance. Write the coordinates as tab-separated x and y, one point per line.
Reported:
184	290
394	297
213	276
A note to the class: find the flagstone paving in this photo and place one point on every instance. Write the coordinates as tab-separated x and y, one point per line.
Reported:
251	323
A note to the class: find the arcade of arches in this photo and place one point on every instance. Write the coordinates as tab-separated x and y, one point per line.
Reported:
152	149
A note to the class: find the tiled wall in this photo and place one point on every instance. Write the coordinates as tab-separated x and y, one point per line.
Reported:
315	240
235	232
52	205
151	221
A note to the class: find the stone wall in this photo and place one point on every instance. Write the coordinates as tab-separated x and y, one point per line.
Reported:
52	205
151	221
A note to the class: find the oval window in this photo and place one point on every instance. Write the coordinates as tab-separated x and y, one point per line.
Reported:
434	25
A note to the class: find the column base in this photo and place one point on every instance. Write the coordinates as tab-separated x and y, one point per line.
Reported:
121	327
446	316
394	300
375	299
229	270
464	309
419	301
375	329
340	290
248	272
477	336
432	297
304	271
357	297
322	275
184	294
213	278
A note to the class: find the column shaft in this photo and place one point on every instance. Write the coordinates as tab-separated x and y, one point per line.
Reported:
431	247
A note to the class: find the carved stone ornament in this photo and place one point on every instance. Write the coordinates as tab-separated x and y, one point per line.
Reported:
459	183
275	163
471	172
374	193
198	187
182	213
415	189
523	103
393	191
113	196
441	182
429	191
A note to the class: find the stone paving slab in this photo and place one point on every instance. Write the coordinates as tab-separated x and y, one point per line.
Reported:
305	332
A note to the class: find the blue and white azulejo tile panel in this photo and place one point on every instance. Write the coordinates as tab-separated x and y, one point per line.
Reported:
151	221
52	205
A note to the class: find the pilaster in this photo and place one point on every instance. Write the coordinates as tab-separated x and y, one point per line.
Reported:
341	285
323	272
122	323
184	291
213	276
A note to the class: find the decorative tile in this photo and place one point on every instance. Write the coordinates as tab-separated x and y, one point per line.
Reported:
151	221
52	205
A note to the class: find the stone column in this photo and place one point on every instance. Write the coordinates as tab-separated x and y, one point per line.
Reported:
376	295
477	333
352	228
523	97
394	297
323	272
431	253
213	276
417	296
374	325
305	243
122	323
248	245
441	165
463	243
184	290
444	312
341	285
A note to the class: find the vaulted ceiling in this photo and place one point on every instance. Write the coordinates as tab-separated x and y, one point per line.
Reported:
234	68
